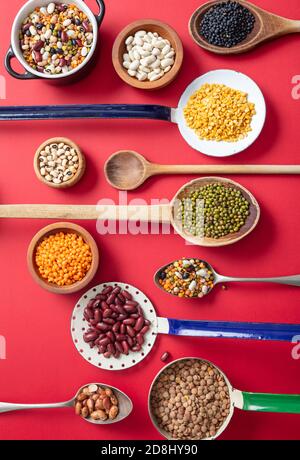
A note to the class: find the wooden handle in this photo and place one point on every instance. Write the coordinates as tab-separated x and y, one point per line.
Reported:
226	169
155	213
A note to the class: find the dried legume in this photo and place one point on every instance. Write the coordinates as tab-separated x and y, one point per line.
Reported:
56	39
97	403
227	24
187	278
190	400
213	211
58	163
117	324
63	258
219	113
148	56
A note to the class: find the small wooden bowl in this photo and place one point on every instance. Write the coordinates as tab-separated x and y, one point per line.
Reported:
50	230
75	178
149	25
232	238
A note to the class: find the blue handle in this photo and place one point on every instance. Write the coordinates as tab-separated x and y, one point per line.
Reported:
60	112
234	330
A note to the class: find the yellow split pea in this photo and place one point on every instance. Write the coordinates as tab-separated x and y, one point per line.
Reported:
219	113
63	258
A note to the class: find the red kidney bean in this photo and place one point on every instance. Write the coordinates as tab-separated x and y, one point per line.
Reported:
144	330
140	311
37	56
118	302
122	317
62	62
120	309
114	315
97	315
137	347
126	294
93	322
139	324
120	337
140	339
107	313
109	321
101	336
130	341
125	347
147	322
130	331
102	349
100	296
116	290
39	45
26	27
40	69
104	305
90	336
107	354
116	327
86	26
123	329
121	297
165	356
117	354
107	290
119	347
111	348
129	308
129	322
134	315
87	314
111	336
97	304
90	304
110	299
104	342
103	327
92	344
132	303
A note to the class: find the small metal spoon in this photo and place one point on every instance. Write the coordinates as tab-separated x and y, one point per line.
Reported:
293	280
128	170
125	405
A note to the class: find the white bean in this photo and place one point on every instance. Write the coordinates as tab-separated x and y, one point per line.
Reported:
140	33
129	40
166	49
166	63
132	73
134	65
126	64
51	8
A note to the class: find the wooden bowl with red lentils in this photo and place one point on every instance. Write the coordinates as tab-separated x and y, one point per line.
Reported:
63	258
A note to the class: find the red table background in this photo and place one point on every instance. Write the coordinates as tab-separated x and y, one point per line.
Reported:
42	363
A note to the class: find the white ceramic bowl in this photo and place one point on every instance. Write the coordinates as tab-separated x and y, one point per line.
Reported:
15	51
235	80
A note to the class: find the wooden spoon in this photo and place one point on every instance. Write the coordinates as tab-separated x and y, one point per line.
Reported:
127	170
267	27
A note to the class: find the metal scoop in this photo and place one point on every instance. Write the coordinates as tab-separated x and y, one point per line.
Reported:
261	402
293	280
125	405
161	325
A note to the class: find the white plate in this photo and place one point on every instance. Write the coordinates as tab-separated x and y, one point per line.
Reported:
235	80
92	355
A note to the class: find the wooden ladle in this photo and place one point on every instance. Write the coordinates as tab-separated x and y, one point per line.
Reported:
268	26
127	170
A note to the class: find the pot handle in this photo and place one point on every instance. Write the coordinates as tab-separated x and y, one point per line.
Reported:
264	402
99	17
25	76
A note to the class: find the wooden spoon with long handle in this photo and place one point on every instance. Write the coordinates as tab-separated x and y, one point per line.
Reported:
127	170
268	26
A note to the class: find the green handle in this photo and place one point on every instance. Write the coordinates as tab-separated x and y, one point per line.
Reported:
265	402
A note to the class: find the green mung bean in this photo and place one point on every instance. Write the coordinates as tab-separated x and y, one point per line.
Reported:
213	211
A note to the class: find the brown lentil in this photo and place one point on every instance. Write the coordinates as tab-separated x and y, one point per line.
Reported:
197	412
